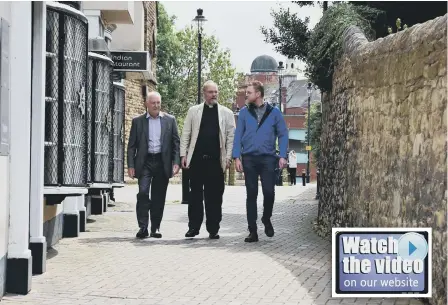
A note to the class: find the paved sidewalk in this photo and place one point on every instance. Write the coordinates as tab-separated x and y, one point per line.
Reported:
107	265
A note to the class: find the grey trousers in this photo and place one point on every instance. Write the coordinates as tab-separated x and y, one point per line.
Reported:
154	180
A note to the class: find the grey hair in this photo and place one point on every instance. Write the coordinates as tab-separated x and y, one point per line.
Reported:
153	93
209	83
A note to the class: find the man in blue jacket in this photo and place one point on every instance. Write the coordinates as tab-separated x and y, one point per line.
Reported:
259	125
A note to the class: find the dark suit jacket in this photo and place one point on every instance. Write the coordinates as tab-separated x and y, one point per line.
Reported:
138	143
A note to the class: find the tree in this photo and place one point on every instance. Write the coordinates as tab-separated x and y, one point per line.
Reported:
290	34
315	131
319	47
177	70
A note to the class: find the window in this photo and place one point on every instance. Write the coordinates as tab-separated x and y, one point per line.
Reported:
100	119
119	98
65	93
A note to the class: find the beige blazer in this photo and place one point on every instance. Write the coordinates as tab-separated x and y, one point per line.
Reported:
191	130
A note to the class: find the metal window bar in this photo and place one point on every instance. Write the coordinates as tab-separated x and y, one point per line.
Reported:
89	119
119	107
65	89
112	128
100	106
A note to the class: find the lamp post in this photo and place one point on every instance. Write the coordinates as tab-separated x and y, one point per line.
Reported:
199	20
308	89
280	69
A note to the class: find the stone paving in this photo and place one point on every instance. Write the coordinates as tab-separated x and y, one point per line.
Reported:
107	265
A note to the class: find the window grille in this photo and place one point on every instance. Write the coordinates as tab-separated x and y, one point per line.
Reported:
119	132
100	119
65	91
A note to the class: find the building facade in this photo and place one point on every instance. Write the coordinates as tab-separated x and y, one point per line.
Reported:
65	99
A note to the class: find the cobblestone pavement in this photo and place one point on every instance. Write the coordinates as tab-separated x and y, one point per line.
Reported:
107	265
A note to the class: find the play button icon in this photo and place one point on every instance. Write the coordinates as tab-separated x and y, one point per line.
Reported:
412	246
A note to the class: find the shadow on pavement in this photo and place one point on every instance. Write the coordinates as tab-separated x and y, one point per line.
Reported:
295	245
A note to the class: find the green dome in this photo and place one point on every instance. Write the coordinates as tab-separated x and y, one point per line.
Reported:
264	63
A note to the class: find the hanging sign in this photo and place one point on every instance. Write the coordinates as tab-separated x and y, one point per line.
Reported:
131	61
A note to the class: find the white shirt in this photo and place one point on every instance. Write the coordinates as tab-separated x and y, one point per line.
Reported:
292	160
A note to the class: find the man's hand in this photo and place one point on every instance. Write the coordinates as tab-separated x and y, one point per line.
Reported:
184	162
238	165
175	169
282	163
228	163
131	173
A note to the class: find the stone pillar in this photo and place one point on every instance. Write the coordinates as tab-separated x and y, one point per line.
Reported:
82	213
19	263
38	244
71	217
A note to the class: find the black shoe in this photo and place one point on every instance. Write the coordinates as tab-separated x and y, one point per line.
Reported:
214	236
253	237
142	233
268	228
192	233
155	234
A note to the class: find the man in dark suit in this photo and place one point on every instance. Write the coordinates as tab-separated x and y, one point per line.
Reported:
153	158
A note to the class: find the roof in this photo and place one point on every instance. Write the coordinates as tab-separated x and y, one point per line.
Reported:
297	95
264	63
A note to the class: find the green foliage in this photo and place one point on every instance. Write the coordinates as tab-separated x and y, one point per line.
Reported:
315	131
398	25
289	35
177	71
325	43
321	47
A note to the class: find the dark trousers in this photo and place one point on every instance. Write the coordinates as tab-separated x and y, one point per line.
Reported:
152	179
263	167
292	175
207	186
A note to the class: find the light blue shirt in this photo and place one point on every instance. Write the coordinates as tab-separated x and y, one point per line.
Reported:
154	133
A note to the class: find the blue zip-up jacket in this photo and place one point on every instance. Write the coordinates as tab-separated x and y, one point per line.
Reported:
256	139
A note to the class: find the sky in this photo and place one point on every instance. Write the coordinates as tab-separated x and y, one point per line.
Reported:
237	25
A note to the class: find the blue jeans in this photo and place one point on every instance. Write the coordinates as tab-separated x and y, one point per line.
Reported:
263	167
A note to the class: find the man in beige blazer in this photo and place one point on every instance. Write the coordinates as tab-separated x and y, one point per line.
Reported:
206	150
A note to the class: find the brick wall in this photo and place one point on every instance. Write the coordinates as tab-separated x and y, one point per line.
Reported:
295	122
296	111
134	97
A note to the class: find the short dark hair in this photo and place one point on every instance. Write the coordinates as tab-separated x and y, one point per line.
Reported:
258	86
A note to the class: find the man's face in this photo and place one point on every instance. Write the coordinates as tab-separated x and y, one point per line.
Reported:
153	104
211	94
251	94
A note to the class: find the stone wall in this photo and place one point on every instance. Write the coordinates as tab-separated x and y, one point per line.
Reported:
134	97
384	137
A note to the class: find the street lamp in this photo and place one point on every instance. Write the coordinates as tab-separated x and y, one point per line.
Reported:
309	90
280	69
199	20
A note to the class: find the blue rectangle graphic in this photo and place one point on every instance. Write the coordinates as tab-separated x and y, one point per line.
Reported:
381	263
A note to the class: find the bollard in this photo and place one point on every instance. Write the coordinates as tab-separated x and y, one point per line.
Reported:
317	191
303	177
185	186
